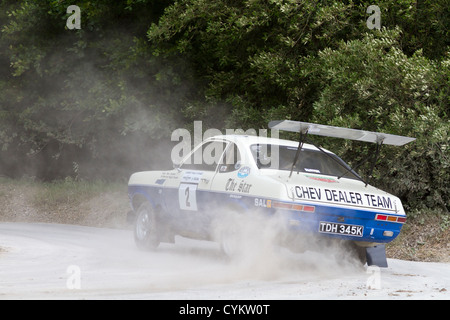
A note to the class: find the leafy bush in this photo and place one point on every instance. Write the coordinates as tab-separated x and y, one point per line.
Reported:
371	84
102	101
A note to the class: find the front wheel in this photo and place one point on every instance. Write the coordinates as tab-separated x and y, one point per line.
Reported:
229	232
230	243
145	228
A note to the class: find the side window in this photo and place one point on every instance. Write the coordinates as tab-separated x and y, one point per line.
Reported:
263	155
231	159
206	157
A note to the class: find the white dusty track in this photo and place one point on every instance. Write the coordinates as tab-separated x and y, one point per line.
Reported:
52	261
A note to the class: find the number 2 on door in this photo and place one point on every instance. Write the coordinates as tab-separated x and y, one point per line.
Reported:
187	196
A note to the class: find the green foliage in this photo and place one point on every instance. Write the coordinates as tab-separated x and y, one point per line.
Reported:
89	102
371	84
70	192
82	94
250	55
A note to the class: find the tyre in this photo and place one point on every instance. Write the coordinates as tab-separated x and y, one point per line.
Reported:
229	231
230	245
345	252
145	228
358	253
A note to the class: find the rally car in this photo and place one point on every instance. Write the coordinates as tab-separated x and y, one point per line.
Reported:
314	192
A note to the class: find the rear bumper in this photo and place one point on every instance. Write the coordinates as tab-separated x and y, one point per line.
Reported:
342	223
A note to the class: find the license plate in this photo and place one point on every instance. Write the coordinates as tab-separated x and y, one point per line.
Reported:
340	228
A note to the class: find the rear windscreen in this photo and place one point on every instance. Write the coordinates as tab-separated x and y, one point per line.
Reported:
310	161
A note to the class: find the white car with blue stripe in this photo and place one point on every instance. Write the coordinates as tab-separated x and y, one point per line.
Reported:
314	192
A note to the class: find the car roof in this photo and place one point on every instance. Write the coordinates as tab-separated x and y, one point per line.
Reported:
248	140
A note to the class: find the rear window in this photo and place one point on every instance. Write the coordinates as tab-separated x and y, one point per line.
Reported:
278	157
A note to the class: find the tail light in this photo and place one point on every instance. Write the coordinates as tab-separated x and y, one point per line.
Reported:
292	206
384	217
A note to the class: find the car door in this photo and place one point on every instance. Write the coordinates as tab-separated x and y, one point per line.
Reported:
188	197
232	181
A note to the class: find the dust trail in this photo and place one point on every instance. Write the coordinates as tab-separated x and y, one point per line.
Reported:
111	265
260	257
193	264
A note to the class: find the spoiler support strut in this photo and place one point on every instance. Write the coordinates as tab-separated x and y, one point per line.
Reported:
373	161
306	128
303	135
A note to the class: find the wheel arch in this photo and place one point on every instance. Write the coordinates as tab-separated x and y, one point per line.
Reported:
138	199
237	205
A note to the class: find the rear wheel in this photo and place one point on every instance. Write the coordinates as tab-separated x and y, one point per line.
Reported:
145	228
344	251
357	252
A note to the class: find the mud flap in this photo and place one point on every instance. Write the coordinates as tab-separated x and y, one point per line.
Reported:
376	256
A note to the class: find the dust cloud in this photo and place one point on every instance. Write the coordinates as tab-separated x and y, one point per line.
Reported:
40	257
258	256
262	256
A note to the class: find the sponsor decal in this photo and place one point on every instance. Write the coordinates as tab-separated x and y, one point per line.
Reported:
263	203
344	197
322	179
243	172
237	186
170	175
160	181
192	176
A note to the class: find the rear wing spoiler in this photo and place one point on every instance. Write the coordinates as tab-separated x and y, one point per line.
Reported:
338	132
305	129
